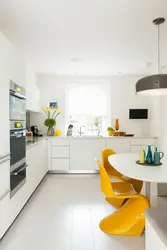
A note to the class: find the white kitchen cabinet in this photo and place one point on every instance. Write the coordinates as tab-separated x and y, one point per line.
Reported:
32	90
5	48
137	149
60	151
119	145
37	164
142	141
61	164
83	153
5	214
4	176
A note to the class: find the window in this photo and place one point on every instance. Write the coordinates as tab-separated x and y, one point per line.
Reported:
88	105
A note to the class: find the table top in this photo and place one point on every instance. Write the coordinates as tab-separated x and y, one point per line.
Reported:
126	165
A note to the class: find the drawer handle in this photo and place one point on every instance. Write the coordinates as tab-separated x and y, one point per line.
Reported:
4	195
4	156
23	168
5	160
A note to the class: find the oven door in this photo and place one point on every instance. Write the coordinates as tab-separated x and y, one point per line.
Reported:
17	179
17	107
17	148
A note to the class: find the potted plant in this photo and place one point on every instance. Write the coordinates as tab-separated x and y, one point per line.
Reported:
50	121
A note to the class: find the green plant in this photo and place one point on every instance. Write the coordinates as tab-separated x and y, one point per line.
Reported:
50	122
51	114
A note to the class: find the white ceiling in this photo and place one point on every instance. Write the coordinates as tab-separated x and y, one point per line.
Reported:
88	37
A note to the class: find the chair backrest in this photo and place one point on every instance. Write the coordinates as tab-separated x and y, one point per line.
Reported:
105	154
106	186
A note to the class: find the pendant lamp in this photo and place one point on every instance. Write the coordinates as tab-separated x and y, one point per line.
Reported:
154	84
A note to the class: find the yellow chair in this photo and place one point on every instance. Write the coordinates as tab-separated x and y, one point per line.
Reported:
137	184
129	220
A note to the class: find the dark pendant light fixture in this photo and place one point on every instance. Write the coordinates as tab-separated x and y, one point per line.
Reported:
154	84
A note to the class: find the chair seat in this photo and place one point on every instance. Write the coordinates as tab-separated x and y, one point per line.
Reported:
123	189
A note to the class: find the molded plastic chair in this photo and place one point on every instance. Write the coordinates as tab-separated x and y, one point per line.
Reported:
129	220
137	184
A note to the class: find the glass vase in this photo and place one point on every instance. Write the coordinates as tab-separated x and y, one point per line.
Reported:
51	131
117	124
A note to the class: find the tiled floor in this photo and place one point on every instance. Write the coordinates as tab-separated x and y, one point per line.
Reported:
63	214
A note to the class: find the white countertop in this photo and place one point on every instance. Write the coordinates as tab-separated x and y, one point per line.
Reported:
102	137
126	165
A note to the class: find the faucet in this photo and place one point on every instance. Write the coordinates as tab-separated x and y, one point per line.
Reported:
80	130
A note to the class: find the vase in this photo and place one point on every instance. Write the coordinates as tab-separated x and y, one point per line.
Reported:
149	157
117	124
51	131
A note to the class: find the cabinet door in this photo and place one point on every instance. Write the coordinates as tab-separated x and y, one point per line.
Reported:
60	151
119	145
5	218
61	164
136	149
83	153
4	177
4	95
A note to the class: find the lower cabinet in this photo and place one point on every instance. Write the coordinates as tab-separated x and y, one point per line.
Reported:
37	160
83	153
119	145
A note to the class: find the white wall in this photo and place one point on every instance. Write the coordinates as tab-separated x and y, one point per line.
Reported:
122	99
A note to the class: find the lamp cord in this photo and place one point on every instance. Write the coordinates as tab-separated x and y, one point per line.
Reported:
159	50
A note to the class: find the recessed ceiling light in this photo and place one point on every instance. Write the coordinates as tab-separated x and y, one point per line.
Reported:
76	61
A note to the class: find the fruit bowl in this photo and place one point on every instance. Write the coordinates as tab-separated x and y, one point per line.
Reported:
119	133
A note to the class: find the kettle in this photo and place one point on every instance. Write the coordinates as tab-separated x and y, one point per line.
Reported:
158	156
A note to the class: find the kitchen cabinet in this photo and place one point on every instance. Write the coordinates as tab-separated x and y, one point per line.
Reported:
83	153
4	176
37	165
59	154
119	145
37	160
5	48
32	90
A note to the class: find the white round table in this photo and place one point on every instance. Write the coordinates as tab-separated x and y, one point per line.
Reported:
126	165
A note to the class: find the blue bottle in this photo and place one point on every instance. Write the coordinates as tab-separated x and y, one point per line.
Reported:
149	157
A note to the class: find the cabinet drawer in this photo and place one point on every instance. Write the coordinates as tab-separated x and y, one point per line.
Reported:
60	142
61	151
4	177
142	142
136	149
60	164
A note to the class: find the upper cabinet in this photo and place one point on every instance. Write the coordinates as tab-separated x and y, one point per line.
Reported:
32	90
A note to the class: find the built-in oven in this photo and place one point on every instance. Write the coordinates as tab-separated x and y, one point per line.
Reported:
18	155
17	102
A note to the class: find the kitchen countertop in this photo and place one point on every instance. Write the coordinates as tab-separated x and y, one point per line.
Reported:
158	220
102	137
35	141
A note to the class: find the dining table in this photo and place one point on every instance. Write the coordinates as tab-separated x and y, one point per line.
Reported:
125	163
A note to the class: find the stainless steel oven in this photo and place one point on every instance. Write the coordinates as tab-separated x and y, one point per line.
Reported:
17	137
17	102
18	155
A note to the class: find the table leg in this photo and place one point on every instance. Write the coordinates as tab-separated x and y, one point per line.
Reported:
148	190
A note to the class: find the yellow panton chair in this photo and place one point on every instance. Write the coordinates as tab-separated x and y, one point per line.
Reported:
137	184
129	220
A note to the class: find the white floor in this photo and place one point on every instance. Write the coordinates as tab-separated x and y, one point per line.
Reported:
64	214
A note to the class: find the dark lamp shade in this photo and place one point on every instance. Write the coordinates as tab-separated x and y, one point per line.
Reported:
152	85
